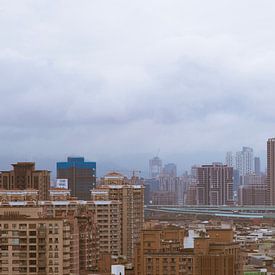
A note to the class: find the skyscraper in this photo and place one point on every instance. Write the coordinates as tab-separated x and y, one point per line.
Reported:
244	161
229	159
170	170
271	169
155	167
81	176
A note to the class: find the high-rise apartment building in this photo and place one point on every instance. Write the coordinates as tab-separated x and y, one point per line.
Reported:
35	241
130	194
47	237
271	169
164	198
155	167
24	176
229	159
245	161
169	170
190	197
108	219
194	171
81	176
174	185
34	245
257	166
215	185
253	194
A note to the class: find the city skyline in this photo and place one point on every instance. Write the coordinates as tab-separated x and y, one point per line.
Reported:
128	163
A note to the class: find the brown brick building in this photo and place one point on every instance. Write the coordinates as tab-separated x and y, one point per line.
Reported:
215	185
162	251
24	176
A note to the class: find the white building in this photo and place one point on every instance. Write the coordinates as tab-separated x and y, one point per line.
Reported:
118	270
229	159
245	161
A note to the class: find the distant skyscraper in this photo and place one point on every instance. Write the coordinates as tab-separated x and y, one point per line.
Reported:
229	159
257	166
155	167
81	176
271	169
170	170
244	161
194	171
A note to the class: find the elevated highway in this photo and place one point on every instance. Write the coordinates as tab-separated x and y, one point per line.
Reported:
253	212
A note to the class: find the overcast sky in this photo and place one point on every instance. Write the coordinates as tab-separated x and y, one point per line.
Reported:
105	78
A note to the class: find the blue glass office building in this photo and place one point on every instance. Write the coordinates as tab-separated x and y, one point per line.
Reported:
81	176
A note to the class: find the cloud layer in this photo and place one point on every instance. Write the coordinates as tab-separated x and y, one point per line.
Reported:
117	77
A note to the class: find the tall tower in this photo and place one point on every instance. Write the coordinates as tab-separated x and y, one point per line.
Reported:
81	176
155	167
271	169
244	161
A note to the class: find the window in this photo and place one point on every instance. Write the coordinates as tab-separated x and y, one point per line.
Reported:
32	269
32	233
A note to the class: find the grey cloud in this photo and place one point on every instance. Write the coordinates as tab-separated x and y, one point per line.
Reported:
116	77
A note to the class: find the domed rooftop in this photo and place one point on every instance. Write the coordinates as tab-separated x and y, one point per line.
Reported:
114	175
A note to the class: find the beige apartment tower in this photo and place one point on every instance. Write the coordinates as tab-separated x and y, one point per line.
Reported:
34	245
130	194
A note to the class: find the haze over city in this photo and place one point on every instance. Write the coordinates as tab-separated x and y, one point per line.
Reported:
137	137
116	81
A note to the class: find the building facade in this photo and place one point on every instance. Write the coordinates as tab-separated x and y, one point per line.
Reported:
24	176
161	251
130	194
245	161
253	194
155	167
215	185
257	166
229	159
81	176
170	170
